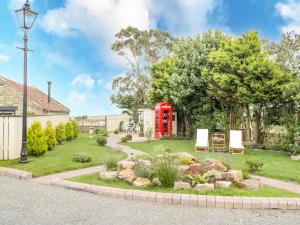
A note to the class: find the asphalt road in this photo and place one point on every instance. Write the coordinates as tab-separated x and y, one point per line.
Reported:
28	203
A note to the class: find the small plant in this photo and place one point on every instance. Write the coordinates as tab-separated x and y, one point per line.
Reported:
245	174
200	179
101	140
37	140
60	133
69	131
124	140
166	171
141	170
213	175
186	160
148	134
116	131
128	137
254	165
51	138
112	163
82	158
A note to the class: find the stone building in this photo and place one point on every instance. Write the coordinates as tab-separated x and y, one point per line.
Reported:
39	103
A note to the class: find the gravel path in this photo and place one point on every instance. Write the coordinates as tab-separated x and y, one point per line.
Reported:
28	203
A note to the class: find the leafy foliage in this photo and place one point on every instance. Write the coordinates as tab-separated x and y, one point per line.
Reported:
60	133
102	132
82	157
69	131
36	140
254	165
51	137
141	170
199	179
75	128
111	163
101	140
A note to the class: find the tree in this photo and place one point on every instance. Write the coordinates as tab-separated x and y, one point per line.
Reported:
76	128
60	133
51	138
69	131
241	74
188	88
36	140
140	49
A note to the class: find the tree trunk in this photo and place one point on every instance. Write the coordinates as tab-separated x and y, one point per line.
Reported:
248	118
256	128
188	126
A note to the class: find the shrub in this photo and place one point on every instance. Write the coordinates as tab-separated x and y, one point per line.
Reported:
101	132
148	134
128	137
75	128
186	160
69	131
116	131
245	174
166	171
200	179
254	165
101	140
60	133
124	140
82	158
141	170
112	163
281	147
36	140
51	138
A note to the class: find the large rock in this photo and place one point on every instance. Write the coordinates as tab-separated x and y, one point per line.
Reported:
233	175
252	184
183	169
204	187
180	185
127	175
223	184
141	182
186	155
295	157
126	164
196	169
213	164
145	162
108	175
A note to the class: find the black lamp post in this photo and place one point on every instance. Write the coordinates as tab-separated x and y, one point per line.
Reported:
26	18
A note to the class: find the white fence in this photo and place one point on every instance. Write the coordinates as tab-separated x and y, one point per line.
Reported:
11	132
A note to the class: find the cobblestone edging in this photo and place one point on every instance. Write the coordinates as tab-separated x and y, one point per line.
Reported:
186	199
15	173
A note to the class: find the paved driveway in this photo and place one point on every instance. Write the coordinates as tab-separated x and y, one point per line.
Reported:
25	202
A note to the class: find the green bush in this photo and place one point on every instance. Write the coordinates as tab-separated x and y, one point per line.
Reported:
82	158
254	165
112	163
101	140
76	128
141	170
166	170
101	132
245	174
51	138
186	160
36	140
128	137
60	133
281	147
69	131
116	131
124	140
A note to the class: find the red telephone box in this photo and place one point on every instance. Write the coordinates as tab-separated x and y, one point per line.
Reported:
163	119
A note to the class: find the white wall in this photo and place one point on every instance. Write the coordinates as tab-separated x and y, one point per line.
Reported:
11	132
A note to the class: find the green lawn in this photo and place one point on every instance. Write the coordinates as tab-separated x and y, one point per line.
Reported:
276	164
60	159
266	192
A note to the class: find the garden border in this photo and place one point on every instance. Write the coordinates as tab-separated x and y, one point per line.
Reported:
20	174
228	202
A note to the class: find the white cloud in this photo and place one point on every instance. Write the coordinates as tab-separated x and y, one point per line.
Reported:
83	80
99	82
100	20
77	97
290	12
4	58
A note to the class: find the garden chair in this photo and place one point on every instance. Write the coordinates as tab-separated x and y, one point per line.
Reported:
236	142
202	140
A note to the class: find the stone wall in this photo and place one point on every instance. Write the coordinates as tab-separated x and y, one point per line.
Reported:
9	96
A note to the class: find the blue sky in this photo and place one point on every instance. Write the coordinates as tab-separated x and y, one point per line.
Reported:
71	38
